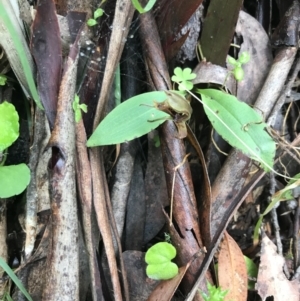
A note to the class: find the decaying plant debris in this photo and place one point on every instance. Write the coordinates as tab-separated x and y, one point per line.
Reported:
81	229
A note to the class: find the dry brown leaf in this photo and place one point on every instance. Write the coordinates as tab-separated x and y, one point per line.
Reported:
271	280
232	272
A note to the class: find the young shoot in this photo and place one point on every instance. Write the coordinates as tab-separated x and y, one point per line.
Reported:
238	71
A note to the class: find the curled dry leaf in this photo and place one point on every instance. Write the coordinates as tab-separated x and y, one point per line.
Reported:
271	280
209	73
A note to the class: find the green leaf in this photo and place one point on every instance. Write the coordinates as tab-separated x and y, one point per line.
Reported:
13	179
131	119
78	107
183	77
19	48
244	57
214	293
98	13
252	271
238	73
231	61
240	125
140	9
14	278
3	79
158	258
91	22
9	125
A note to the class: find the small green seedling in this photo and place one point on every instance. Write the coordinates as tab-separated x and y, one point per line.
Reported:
14	178
214	293
3	79
167	237
78	108
285	194
139	7
97	14
183	78
158	258
238	71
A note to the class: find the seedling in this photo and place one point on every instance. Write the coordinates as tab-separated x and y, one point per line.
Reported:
97	14
183	78
214	293
78	107
287	193
3	79
238	71
158	258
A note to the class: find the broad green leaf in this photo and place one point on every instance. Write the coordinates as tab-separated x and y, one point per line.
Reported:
240	125
13	37
14	278
131	119
158	258
13	179
140	9
9	125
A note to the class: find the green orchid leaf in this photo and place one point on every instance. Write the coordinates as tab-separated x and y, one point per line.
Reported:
13	179
158	258
9	125
131	119
240	125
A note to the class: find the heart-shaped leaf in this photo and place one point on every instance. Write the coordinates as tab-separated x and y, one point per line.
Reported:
158	258
240	125
131	119
9	125
13	179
